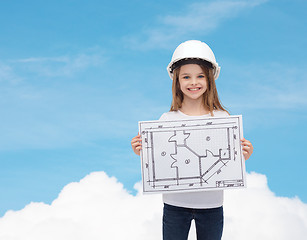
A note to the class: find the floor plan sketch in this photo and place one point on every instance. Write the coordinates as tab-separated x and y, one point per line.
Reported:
192	155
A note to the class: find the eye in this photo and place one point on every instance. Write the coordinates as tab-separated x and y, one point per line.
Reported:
201	76
185	77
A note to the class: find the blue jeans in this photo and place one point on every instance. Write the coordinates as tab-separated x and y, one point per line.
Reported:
177	221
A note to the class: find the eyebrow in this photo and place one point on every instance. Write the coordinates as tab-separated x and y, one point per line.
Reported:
201	73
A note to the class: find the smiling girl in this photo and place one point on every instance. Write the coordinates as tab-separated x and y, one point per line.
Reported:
193	70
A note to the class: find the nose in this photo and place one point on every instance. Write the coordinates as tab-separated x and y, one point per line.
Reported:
194	80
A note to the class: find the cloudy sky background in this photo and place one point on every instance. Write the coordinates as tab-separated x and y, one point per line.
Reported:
76	77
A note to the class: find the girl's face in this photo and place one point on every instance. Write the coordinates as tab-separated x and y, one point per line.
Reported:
193	81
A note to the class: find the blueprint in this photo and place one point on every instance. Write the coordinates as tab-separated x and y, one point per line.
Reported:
192	155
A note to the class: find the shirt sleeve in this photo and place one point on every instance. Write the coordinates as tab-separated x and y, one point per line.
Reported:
220	114
163	117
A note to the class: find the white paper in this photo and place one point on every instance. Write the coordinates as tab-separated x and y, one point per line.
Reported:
192	155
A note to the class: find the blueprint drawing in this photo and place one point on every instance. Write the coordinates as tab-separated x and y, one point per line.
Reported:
192	155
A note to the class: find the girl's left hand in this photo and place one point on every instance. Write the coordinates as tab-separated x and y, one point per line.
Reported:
247	148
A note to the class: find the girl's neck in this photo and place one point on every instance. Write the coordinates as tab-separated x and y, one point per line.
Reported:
193	108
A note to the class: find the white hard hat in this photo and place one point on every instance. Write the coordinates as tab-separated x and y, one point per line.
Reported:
193	51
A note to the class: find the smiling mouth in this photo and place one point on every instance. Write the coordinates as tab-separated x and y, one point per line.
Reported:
194	89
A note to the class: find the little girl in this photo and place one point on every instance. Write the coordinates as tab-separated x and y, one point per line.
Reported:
193	70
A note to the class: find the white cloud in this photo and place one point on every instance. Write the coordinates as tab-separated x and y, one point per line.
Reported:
66	65
50	117
38	113
207	16
7	74
256	213
196	17
98	207
273	85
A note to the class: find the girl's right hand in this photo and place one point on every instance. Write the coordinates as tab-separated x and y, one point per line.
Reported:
136	144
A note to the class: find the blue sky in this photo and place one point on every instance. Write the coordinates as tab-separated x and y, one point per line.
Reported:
77	76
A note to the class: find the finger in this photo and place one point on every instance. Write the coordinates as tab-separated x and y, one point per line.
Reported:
244	141
247	149
247	144
137	152
135	139
247	152
246	156
136	144
137	136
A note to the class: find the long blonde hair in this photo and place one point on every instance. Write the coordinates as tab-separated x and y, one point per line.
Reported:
210	97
